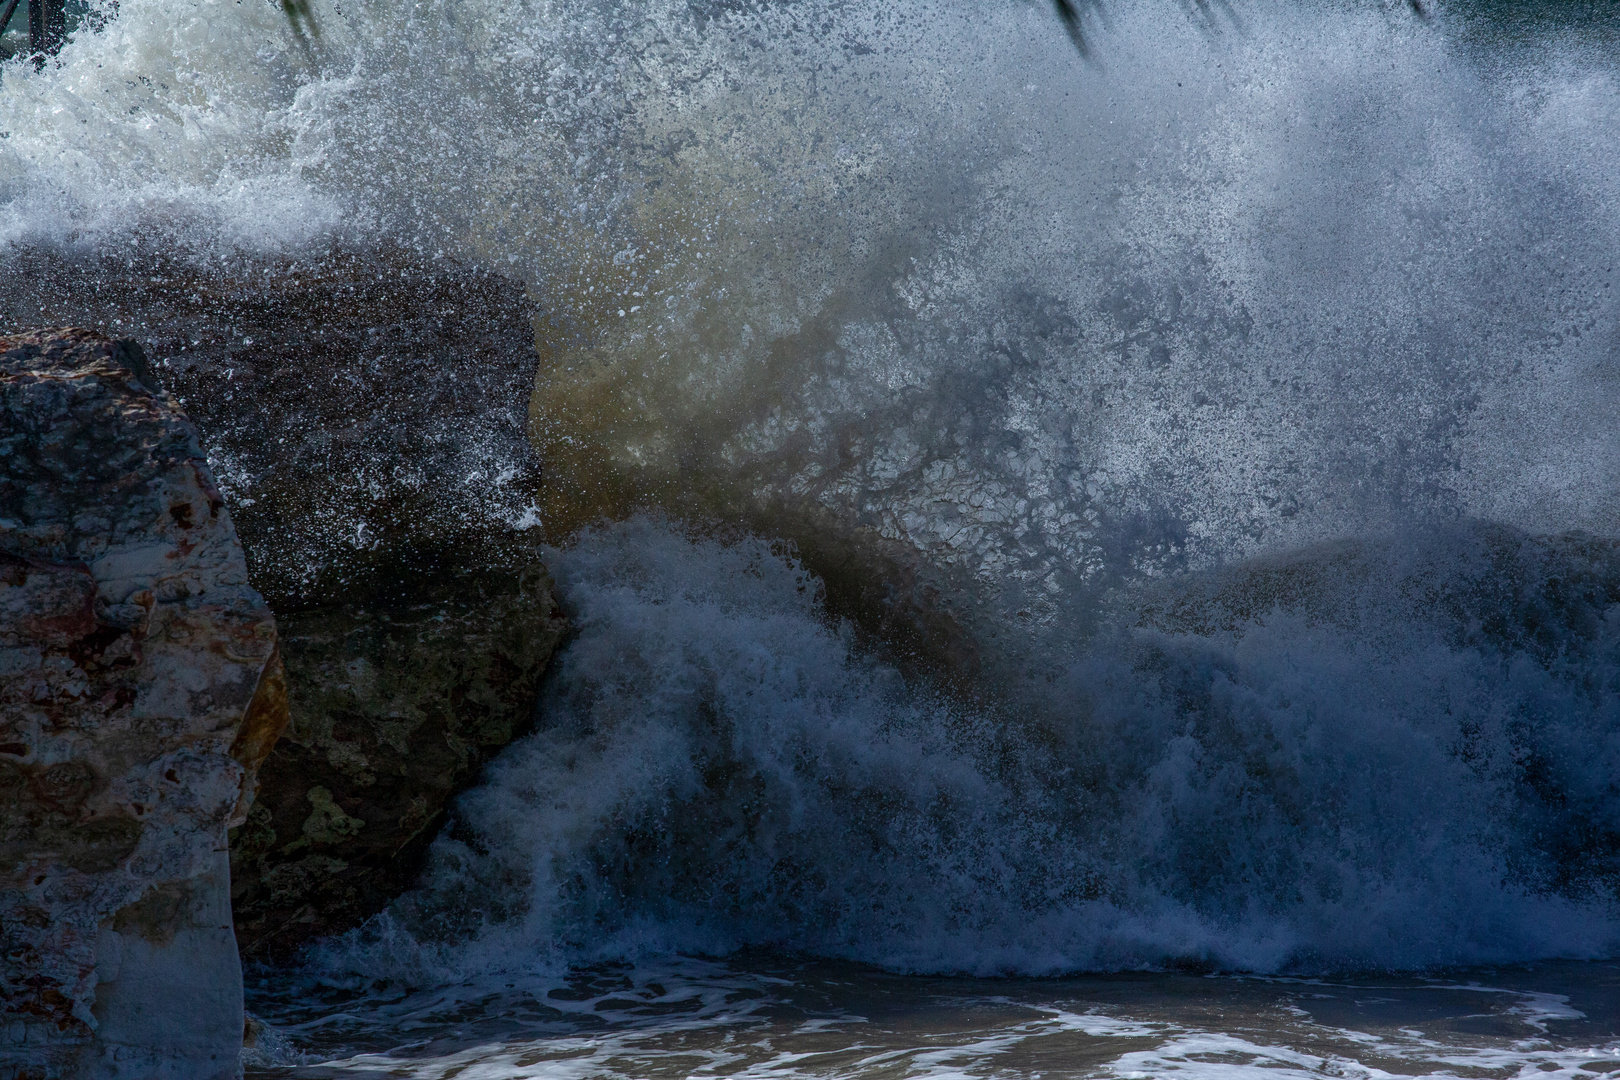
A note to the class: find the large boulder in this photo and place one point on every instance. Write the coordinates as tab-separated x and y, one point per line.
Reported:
140	690
366	417
396	707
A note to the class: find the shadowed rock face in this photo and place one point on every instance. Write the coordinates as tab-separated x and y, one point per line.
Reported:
140	688
366	416
397	707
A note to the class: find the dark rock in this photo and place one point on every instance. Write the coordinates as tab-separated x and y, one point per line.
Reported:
366	416
397	708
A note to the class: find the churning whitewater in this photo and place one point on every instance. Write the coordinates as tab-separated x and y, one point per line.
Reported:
1225	428
717	767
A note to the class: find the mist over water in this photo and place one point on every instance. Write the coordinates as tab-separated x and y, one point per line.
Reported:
1245	398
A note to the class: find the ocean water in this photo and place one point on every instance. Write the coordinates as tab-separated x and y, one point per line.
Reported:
784	1017
1081	566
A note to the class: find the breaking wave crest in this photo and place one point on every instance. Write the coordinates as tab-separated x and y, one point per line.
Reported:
718	766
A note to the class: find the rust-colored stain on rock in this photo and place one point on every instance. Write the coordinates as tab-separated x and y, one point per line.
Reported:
134	659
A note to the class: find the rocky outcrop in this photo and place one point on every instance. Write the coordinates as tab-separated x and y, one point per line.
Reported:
396	707
140	690
366	416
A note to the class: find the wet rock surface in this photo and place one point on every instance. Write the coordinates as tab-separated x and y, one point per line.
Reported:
396	707
140	688
366	417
